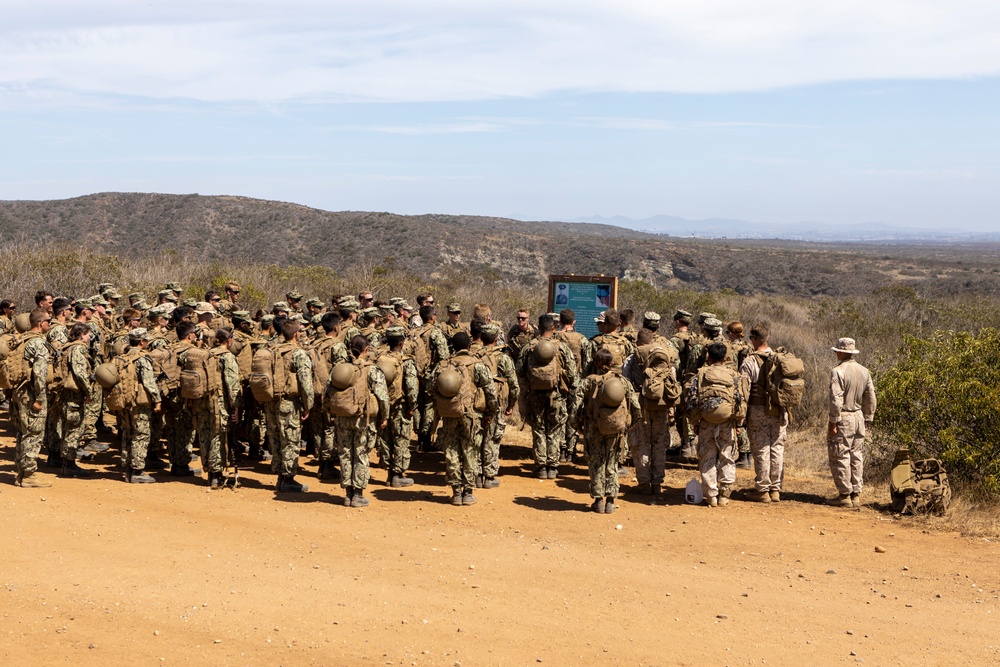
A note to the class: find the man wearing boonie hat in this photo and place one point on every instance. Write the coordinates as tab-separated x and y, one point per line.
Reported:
175	287
315	305
294	300
279	308
852	408
165	295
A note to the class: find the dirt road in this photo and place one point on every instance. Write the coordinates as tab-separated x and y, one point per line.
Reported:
98	572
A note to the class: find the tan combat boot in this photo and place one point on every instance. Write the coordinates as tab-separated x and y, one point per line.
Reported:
775	496
843	500
34	481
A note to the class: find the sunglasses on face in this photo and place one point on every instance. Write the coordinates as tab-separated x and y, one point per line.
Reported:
521	318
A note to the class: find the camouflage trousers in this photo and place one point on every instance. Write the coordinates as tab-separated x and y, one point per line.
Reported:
355	439
743	441
649	441
460	439
602	462
71	424
325	434
428	413
846	451
53	424
212	434
91	413
767	444
288	418
30	430
182	431
716	456
547	414
396	440
489	456
570	439
136	445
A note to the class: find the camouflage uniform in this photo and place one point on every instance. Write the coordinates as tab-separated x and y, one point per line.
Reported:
717	445
139	416
179	418
505	373
603	451
73	402
396	438
30	424
583	351
766	427
650	439
683	342
547	410
288	413
461	437
518	340
57	338
356	436
323	431
211	414
438	352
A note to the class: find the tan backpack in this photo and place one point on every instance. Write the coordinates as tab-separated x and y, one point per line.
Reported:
201	376
395	388
574	341
463	404
490	356
129	392
422	347
356	400
609	420
543	377
618	349
62	378
14	370
720	396
320	355
271	378
660	387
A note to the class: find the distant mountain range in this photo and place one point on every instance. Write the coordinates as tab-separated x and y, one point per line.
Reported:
723	228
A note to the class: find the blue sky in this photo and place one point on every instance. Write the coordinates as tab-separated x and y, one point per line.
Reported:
777	112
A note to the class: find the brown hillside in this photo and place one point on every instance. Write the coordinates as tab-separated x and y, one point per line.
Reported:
483	248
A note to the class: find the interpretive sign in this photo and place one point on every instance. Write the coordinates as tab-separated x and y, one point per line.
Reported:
588	296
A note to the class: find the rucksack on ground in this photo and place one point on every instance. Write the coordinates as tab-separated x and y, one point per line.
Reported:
785	379
610	419
918	486
543	375
201	377
660	387
354	399
129	392
719	397
463	403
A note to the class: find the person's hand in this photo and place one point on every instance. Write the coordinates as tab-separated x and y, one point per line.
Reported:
831	429
509	411
305	415
36	406
156	408
383	425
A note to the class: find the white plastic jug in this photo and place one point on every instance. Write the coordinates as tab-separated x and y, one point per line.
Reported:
692	492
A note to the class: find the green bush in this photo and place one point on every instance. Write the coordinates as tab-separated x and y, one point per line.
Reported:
942	399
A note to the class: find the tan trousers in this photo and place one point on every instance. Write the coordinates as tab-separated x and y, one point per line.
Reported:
767	444
846	456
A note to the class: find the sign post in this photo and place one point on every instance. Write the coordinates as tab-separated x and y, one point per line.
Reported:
587	296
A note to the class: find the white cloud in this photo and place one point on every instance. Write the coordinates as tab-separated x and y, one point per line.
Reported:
395	50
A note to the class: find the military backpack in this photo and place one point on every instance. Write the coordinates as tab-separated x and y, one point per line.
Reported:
129	392
355	399
609	419
463	403
719	396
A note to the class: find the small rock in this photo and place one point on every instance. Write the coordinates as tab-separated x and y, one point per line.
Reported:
92	646
618	527
156	633
850	632
906	569
879	549
853	653
831	571
218	641
722	616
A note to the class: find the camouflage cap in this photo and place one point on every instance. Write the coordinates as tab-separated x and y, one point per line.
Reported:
203	307
281	305
85	303
191	302
266	321
316	319
174	286
682	315
140	333
395	332
385	310
98	300
600	318
167	294
650	316
491	329
396	300
168	307
299	317
141	305
702	317
712	323
104	287
158	311
454	307
135	296
113	294
370	312
293	296
241	314
315	301
351	305
404	305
